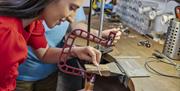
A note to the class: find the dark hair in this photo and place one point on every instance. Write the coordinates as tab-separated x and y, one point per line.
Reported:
22	8
177	1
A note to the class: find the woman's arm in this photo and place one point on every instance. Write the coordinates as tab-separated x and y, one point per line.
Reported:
105	33
51	55
39	43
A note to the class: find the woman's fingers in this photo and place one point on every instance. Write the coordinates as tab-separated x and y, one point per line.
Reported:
115	30
98	55
95	55
117	37
87	53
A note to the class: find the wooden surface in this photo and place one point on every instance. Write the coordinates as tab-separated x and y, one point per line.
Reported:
127	46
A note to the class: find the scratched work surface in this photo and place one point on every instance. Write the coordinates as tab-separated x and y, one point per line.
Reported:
127	46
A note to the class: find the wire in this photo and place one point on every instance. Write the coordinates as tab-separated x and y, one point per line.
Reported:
89	21
158	54
154	71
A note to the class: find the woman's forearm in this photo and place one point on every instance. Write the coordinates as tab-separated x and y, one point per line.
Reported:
49	55
52	55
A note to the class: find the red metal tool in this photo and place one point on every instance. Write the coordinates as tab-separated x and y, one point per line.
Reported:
177	12
69	44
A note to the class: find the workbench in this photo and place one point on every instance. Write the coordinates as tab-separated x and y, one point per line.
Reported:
127	46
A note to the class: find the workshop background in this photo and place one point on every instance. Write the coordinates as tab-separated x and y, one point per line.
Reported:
150	18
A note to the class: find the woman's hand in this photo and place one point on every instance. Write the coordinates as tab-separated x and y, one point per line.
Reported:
105	33
87	53
84	90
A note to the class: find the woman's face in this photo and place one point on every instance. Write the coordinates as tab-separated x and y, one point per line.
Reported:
60	10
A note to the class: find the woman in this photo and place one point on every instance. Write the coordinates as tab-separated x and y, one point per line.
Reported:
20	24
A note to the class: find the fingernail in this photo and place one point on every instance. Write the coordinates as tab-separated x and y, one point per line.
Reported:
97	64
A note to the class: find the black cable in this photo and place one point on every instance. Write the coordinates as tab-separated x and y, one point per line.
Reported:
89	27
145	65
154	71
89	21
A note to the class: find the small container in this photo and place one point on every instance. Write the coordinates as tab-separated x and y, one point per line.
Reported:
172	43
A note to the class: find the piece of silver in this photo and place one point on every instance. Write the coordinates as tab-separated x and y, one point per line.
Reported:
99	70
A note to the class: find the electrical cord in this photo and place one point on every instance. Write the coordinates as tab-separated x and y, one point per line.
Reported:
154	71
162	56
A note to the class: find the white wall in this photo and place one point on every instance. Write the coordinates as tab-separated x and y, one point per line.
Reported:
87	3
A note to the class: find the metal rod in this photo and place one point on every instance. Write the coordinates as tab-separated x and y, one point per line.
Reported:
101	28
101	19
101	22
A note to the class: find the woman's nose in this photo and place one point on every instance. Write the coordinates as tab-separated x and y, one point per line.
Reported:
70	19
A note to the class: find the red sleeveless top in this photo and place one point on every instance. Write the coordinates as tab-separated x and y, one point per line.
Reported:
13	47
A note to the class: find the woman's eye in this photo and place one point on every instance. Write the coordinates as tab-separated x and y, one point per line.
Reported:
73	7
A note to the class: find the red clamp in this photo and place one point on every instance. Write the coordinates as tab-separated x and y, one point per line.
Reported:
69	43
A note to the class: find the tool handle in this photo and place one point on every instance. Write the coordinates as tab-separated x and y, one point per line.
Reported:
177	12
